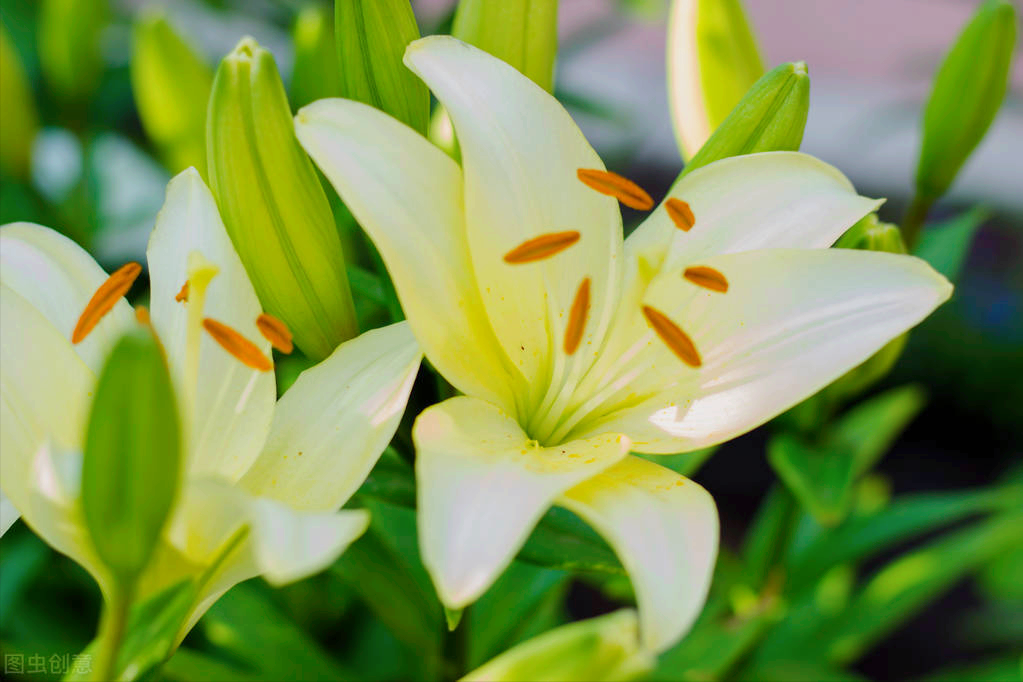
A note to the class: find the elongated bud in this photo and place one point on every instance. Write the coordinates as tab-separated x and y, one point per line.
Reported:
69	45
273	205
316	73
968	90
132	458
600	649
523	33
769	118
870	234
712	61
171	82
20	120
371	39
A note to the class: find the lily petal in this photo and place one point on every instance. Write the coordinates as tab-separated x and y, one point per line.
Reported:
8	513
521	155
407	195
791	322
664	528
331	426
483	484
58	278
233	404
757	201
290	545
44	393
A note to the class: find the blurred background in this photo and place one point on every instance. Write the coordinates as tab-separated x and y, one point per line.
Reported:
94	175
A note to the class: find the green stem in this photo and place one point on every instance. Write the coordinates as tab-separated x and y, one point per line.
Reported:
113	624
914	220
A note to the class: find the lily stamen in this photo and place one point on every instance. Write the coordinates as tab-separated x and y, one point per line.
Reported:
705	277
544	246
182	295
577	317
109	293
237	345
612	184
673	336
680	214
276	332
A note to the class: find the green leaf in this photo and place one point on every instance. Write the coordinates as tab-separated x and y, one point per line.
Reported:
273	205
524	601
151	634
188	665
799	671
251	630
770	117
946	245
523	33
968	91
69	46
684	463
768	535
912	581
868	430
1008	669
711	649
21	121
371	39
909	516
821	479
1001	579
132	457
316	73
563	541
392	480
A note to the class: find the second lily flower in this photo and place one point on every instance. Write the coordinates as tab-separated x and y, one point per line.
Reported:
573	347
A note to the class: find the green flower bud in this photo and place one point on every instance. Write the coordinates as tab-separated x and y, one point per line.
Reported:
870	234
132	458
316	73
172	85
371	39
273	204
712	61
595	650
69	45
968	90
523	33
20	121
770	117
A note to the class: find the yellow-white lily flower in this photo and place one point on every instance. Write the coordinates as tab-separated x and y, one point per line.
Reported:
263	480
572	347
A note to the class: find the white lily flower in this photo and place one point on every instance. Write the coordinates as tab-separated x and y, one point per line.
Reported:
263	479
571	347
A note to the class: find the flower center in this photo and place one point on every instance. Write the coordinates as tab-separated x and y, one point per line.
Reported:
102	302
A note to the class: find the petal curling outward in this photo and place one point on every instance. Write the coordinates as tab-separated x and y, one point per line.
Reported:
483	484
331	426
664	528
791	322
233	404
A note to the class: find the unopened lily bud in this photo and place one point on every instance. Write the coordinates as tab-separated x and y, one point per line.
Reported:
171	82
968	90
132	457
273	204
371	39
20	121
712	62
69	45
316	73
523	33
870	234
600	649
769	118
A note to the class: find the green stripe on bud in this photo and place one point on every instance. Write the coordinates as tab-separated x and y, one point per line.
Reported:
523	33
712	61
595	650
371	39
132	458
770	117
171	83
20	120
273	204
968	90
316	73
69	45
